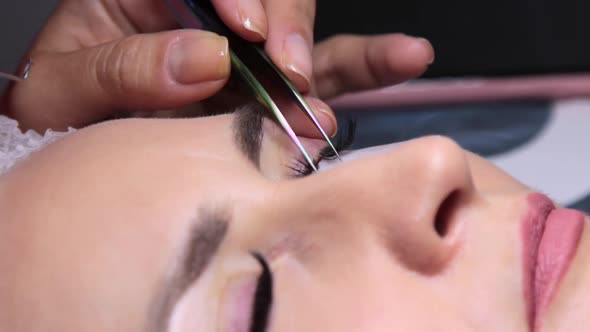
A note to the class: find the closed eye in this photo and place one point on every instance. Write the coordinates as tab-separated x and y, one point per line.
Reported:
343	140
262	298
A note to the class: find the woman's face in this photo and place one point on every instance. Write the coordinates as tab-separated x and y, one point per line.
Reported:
167	225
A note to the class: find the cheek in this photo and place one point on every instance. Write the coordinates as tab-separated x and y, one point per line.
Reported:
487	177
357	297
295	295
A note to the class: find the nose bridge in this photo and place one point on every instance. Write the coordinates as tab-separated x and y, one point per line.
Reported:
407	196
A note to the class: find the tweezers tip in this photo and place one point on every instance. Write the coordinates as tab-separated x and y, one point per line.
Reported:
16	78
336	154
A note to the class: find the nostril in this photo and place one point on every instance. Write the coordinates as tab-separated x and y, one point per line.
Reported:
443	219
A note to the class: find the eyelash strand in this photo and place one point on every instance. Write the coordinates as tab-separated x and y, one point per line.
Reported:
344	139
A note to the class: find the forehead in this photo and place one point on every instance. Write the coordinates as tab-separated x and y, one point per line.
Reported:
91	224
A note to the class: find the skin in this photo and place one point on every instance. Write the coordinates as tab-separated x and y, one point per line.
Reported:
352	248
92	225
111	57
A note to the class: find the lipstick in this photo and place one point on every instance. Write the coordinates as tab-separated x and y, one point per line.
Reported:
550	239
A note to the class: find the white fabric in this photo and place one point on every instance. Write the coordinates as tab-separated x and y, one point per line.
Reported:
16	145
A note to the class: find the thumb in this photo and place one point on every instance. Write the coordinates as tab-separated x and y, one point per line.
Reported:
140	72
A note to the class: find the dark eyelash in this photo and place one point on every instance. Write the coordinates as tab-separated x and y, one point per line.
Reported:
344	139
262	297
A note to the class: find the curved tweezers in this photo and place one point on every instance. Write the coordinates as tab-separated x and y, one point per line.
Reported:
253	65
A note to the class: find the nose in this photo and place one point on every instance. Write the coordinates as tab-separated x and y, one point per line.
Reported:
411	198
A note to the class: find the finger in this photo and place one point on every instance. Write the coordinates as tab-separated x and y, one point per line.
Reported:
348	63
245	17
77	24
141	72
233	95
140	15
290	38
303	126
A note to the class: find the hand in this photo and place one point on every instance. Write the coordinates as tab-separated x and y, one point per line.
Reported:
90	62
348	63
345	63
94	58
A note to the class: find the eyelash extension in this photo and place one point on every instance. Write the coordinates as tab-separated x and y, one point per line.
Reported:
343	140
262	297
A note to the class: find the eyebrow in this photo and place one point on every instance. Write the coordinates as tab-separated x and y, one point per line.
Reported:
206	235
248	132
209	229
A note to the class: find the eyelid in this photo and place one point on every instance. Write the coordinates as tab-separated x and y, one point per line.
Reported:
344	140
238	301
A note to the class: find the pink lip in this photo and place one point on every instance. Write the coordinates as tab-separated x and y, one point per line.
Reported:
550	239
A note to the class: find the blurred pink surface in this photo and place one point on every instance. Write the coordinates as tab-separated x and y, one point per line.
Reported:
437	91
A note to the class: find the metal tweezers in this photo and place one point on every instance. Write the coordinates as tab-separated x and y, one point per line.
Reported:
16	78
251	63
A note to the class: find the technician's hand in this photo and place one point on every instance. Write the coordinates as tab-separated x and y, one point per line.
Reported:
90	62
348	63
96	57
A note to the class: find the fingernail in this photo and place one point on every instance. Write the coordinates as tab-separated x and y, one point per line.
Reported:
251	13
428	45
296	56
200	58
331	126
